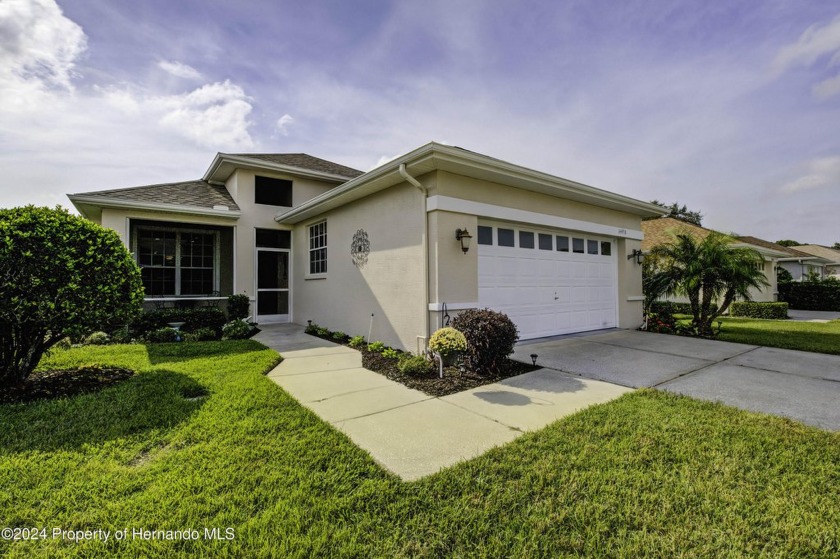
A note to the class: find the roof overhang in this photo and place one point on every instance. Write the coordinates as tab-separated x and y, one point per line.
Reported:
816	259
764	251
91	206
224	165
439	157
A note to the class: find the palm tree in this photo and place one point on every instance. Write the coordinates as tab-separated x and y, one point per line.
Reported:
708	271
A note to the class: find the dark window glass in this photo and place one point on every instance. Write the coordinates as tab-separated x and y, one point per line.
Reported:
562	243
577	245
272	302
272	192
318	248
505	237
606	248
526	239
545	242
270	238
485	235
592	247
158	281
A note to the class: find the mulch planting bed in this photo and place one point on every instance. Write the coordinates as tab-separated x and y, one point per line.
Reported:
454	380
44	385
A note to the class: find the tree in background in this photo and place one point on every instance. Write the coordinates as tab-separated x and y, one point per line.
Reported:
680	212
788	243
60	275
836	246
707	272
783	275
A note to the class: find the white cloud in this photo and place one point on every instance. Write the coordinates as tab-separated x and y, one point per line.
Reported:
827	88
213	114
284	122
37	53
179	70
814	43
820	173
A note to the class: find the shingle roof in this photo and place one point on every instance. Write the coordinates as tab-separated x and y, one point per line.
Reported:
821	251
767	244
304	161
198	193
664	229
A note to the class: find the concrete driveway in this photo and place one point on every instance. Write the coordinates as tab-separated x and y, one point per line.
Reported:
800	385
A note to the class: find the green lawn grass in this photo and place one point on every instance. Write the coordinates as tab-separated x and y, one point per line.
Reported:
821	337
650	474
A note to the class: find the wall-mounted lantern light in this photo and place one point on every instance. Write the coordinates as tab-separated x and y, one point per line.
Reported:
638	255
464	236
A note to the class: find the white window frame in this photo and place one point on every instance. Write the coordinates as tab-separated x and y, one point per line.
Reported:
178	231
313	250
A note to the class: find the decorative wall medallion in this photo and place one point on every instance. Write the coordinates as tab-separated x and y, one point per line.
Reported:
360	248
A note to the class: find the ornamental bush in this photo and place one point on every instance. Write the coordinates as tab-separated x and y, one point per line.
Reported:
238	306
447	341
161	336
766	310
414	365
236	330
60	275
490	338
193	319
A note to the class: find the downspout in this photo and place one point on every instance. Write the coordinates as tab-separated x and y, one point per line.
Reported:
414	182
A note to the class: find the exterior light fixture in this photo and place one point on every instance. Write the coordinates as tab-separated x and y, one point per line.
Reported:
464	236
534	359
638	255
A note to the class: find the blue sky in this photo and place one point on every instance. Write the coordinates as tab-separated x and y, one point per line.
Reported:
729	107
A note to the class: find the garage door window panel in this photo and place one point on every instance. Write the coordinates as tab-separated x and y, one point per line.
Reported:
577	245
506	237
485	235
526	239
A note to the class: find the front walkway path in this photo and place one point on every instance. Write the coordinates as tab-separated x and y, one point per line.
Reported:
408	432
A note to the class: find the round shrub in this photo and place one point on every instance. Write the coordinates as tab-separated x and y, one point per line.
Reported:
490	338
236	330
447	341
238	306
62	275
97	338
162	336
415	365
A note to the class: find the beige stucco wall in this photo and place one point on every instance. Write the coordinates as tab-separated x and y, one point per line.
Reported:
253	216
466	188
454	275
390	286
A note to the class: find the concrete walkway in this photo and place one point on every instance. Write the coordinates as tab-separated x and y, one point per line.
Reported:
408	432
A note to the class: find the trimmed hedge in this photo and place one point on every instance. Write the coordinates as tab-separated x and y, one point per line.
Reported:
810	296
193	319
670	307
753	309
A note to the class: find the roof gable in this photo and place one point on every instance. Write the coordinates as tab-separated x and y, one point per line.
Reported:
663	230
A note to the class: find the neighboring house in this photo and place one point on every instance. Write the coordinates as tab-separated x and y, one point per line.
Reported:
307	239
830	255
799	264
665	229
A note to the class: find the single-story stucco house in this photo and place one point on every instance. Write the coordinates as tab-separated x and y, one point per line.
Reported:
665	229
830	256
800	264
436	230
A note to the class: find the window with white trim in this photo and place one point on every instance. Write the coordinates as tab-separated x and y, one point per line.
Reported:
318	248
177	262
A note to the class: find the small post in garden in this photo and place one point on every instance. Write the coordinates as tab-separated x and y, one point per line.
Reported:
440	363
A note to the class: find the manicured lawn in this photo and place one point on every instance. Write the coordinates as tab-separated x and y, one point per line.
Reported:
650	474
822	337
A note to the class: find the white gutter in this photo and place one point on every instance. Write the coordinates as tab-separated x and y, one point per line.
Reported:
425	193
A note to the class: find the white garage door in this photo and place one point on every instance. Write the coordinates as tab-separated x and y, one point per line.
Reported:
547	282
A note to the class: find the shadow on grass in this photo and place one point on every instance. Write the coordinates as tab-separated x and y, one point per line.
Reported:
147	401
185	351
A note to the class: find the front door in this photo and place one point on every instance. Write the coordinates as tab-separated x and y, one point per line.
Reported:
272	285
